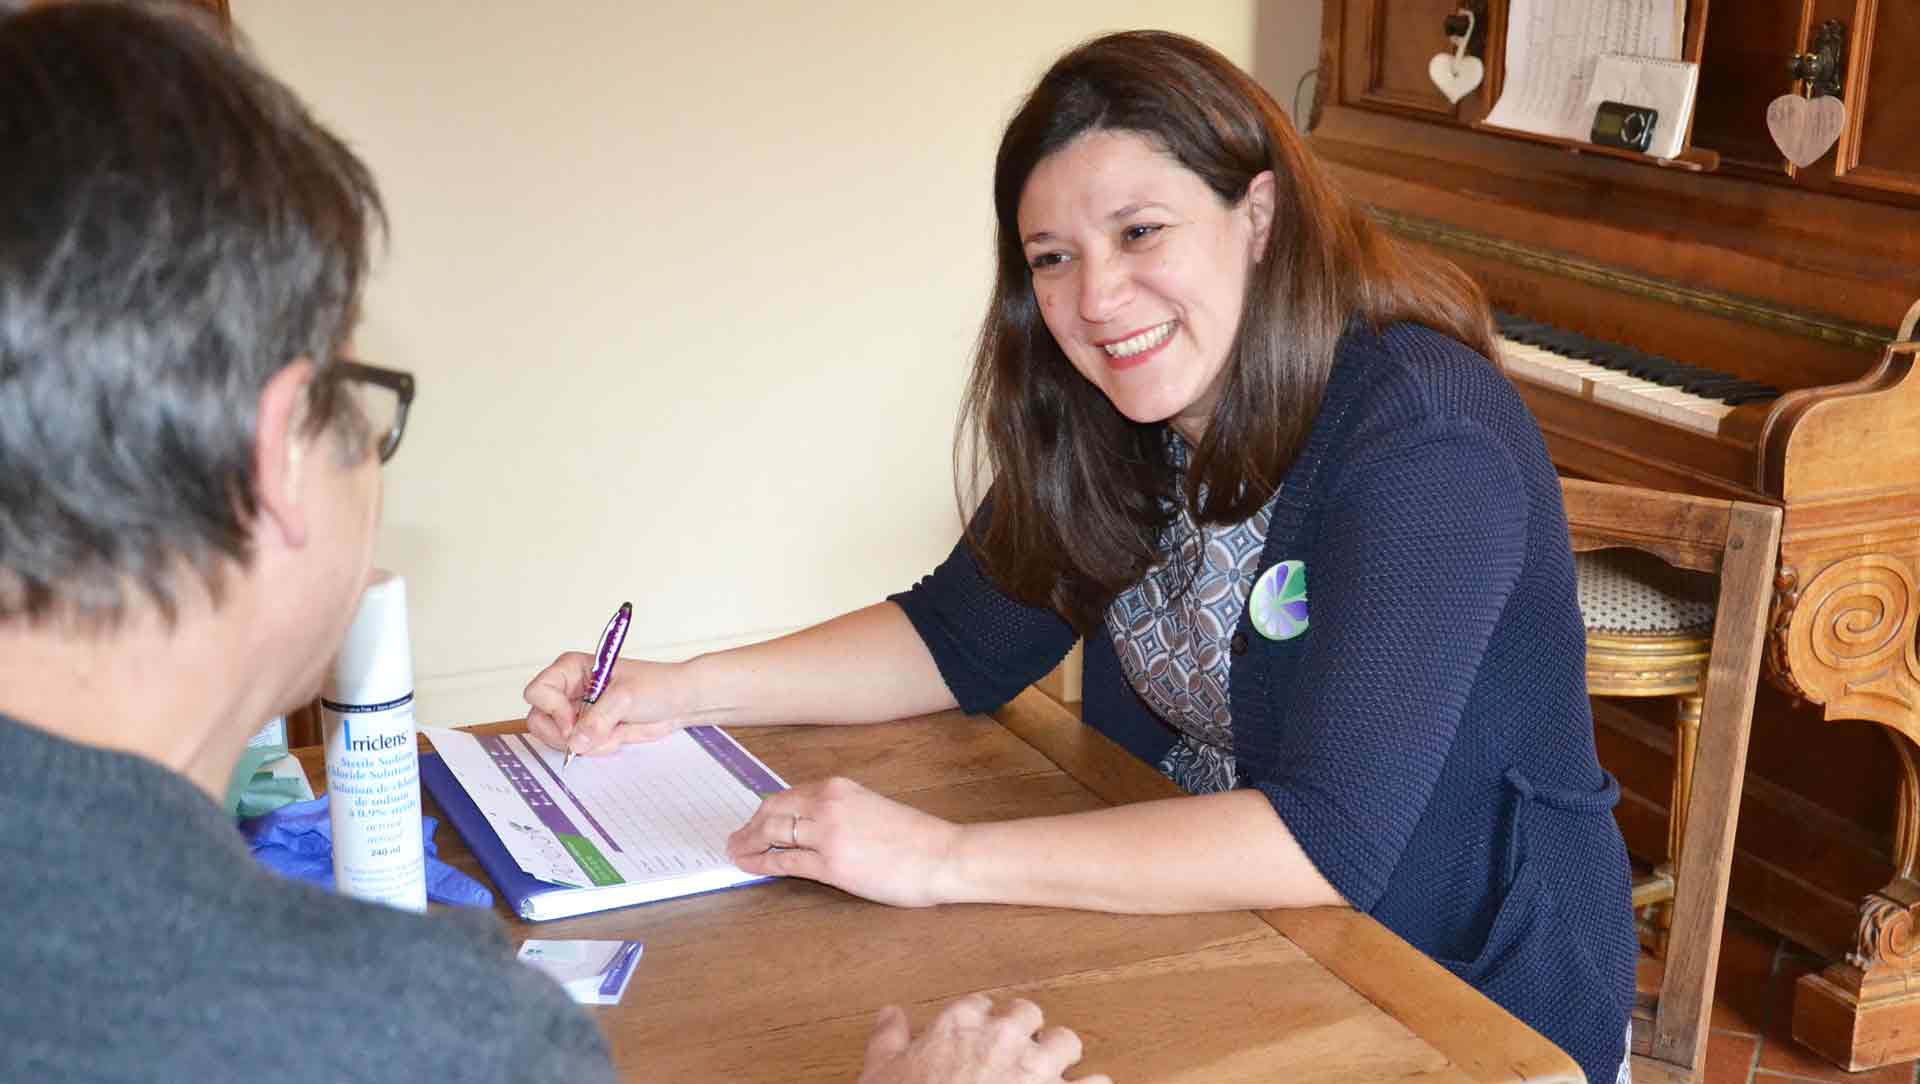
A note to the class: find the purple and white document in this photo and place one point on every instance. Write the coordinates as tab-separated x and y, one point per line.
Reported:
592	972
649	822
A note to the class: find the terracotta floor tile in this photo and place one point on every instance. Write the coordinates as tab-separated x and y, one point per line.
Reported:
1902	1072
1781	1055
1752	1037
1729	1058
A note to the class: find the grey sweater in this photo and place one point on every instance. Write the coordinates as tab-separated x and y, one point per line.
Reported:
141	942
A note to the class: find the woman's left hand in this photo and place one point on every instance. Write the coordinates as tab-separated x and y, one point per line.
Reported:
840	833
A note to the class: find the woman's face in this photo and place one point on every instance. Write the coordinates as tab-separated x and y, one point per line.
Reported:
1141	272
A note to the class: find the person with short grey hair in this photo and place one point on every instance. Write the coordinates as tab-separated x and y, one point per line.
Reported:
189	493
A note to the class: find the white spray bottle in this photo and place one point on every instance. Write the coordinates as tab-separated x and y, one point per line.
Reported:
373	768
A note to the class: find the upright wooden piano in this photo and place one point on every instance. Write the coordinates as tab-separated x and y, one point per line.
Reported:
1729	325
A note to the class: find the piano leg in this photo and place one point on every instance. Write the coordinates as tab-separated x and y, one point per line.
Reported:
1846	640
1862	1011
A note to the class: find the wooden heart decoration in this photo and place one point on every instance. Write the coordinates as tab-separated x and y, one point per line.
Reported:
1456	76
1805	128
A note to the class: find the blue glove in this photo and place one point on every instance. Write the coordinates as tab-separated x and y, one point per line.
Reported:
296	841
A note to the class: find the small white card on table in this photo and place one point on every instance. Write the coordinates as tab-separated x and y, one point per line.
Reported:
593	972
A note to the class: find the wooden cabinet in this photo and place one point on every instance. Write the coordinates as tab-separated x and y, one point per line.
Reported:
1878	152
1743	50
1388	47
1744	61
1743	66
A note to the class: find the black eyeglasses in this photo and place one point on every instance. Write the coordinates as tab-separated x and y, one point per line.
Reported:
383	396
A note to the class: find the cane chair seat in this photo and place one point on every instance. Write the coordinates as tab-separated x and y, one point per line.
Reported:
1649	625
1650	633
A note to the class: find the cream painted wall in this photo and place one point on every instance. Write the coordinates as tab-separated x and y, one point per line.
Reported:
1286	47
689	288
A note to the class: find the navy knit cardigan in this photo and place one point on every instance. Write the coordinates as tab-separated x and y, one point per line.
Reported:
1428	739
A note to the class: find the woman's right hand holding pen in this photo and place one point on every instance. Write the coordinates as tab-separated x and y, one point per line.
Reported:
644	702
864	667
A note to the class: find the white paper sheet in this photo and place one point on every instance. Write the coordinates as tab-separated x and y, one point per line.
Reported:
592	972
1665	86
1553	47
649	813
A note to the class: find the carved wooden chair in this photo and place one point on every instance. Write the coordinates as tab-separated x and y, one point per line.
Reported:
1735	542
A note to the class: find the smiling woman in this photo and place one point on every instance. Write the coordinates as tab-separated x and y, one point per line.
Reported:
1140	271
1141	136
1255	455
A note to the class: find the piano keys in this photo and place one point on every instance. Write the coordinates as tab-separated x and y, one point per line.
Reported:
1621	377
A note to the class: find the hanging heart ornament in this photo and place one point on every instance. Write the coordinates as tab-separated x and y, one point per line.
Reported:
1456	73
1805	128
1456	76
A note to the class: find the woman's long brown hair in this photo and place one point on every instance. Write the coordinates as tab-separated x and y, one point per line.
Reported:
1080	494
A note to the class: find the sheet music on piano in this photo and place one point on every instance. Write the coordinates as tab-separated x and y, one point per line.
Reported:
1553	47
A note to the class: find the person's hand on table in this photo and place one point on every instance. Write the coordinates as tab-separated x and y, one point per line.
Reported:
840	833
640	704
972	1042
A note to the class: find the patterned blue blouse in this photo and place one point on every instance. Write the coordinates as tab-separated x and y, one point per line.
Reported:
1173	630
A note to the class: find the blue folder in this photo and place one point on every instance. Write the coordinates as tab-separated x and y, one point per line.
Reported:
532	898
518	886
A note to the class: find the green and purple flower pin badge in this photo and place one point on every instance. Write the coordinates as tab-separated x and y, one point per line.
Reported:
1278	607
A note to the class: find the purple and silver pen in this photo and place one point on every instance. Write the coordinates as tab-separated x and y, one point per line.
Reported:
603	660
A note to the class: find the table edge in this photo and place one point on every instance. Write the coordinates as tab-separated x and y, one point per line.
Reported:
1403	981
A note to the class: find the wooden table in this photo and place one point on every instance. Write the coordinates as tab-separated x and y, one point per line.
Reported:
779	982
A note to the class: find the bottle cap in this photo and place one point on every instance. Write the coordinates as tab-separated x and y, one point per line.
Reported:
375	664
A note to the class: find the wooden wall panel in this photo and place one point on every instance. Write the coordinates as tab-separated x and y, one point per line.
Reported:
1878	150
1389	45
1743	67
